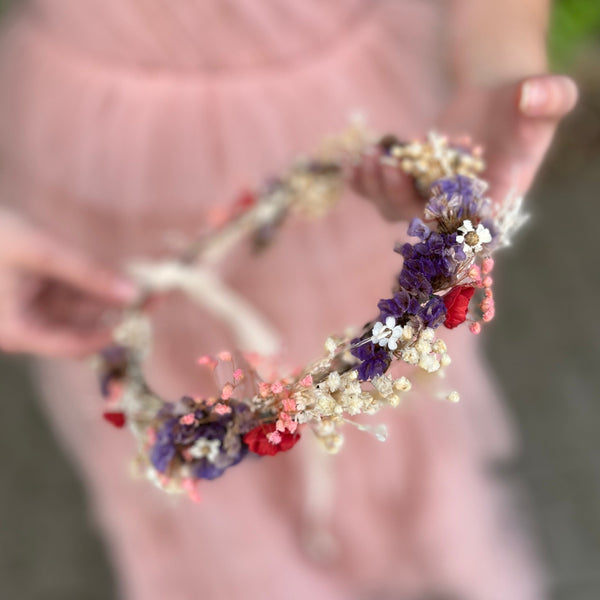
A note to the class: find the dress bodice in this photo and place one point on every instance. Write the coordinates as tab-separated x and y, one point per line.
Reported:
199	34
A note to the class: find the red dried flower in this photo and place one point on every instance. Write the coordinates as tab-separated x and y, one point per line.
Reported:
257	440
243	202
117	419
457	304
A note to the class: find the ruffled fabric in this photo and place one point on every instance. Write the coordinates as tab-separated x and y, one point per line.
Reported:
122	120
129	134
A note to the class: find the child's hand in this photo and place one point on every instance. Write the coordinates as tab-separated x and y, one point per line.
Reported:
514	123
53	301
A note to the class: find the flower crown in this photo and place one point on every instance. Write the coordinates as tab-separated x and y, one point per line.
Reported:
444	280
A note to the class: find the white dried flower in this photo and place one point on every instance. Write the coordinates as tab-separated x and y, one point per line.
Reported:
324	403
135	331
407	333
402	384
440	346
454	397
330	346
387	334
332	443
334	381
394	400
427	335
410	356
383	384
422	347
351	375
204	448
509	219
473	238
445	359
302	417
429	363
324	427
354	405
302	400
353	387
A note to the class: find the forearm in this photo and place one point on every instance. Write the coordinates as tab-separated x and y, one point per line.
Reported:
492	41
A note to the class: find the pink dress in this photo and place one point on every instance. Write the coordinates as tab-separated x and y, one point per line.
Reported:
124	120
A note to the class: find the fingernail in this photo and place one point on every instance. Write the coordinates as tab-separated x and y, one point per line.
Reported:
125	290
534	98
551	96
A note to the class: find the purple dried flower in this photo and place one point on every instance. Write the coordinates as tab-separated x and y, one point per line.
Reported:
164	449
460	185
204	469
455	199
418	229
113	368
209	444
414	281
375	359
403	303
430	265
433	312
207	470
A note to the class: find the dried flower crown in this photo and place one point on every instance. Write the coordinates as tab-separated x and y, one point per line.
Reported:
444	278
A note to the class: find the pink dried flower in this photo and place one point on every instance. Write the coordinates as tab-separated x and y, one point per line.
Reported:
191	487
289	404
475	274
222	409
274	437
151	435
207	361
277	387
489	314
306	381
187	419
487	265
475	328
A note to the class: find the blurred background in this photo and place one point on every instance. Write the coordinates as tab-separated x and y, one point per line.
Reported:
544	346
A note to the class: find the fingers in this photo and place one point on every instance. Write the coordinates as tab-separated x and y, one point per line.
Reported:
58	305
53	343
54	301
547	96
518	127
25	330
380	180
371	175
48	257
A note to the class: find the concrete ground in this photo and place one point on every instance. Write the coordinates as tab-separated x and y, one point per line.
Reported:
544	346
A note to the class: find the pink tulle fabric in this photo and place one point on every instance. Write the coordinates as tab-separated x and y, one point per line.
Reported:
122	122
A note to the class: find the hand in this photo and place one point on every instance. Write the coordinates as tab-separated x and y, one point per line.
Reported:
53	301
515	124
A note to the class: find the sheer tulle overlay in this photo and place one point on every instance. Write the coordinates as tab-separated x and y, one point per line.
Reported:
122	123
